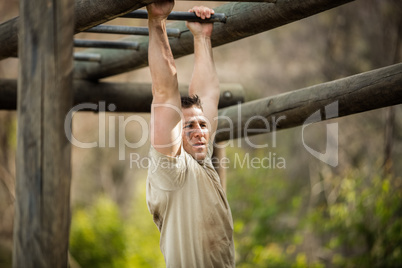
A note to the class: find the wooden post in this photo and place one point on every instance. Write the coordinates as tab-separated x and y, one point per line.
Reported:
42	209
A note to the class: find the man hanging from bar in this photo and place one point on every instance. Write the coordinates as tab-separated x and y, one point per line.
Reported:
184	193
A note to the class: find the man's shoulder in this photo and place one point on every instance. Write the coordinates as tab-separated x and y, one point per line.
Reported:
166	172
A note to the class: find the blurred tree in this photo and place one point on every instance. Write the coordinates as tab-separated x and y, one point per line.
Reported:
362	227
7	184
8	10
97	236
142	234
101	238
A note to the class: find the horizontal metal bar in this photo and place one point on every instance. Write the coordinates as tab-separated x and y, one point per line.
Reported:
112	29
87	57
106	44
178	15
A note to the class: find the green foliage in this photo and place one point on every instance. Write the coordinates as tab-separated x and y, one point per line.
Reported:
97	236
264	212
142	235
276	225
363	226
101	238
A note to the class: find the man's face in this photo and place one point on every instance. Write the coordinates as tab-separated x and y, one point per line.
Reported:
195	133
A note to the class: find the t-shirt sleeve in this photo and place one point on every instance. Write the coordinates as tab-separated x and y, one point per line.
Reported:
166	173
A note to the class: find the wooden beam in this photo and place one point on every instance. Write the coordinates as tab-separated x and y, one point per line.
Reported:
42	208
359	93
355	94
129	97
243	20
9	38
87	57
87	15
8	94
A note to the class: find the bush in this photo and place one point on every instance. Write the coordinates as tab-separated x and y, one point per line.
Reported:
101	238
363	227
97	236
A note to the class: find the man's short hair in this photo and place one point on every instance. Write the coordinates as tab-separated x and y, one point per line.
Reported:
190	101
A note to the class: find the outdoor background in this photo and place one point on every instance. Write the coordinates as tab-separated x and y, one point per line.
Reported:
307	214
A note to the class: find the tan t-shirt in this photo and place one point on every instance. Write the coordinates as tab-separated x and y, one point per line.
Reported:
190	210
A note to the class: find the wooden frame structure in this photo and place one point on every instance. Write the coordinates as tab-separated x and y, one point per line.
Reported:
47	89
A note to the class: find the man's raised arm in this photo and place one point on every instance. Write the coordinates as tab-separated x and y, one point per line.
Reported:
204	81
165	112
